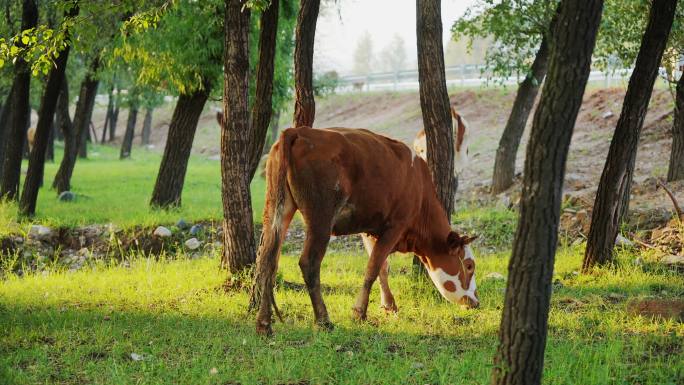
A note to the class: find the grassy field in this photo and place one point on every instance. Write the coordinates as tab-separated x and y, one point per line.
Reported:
118	191
169	322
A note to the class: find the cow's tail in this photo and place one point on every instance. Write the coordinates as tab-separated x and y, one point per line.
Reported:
277	210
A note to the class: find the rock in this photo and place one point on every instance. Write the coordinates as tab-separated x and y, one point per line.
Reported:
66	196
622	241
182	224
162	232
673	260
195	230
192	244
616	297
213	371
39	232
495	276
136	357
607	114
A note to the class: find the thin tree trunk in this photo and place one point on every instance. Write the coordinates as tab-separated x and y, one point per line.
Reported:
262	107
616	179
50	151
238	232
113	122
169	185
305	105
90	105
16	135
48	104
86	98
520	355
5	119
675	170
108	115
274	131
504	164
434	100
127	142
147	127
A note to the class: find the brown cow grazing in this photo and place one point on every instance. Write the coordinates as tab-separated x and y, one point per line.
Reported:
31	137
347	181
461	142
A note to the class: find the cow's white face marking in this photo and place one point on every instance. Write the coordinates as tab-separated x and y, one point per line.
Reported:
450	286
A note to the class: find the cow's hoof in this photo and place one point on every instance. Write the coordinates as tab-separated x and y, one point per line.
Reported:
264	328
358	314
325	325
391	308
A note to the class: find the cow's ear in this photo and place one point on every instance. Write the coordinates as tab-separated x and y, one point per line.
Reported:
454	241
469	239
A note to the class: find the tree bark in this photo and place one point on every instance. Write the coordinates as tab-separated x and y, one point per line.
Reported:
50	151
504	164
84	109
616	179
5	118
16	135
238	232
262	108
675	170
84	126
108	115
169	185
147	127
46	115
520	355
305	105
113	121
434	100
127	142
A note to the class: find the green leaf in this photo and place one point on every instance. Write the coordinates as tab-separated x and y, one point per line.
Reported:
25	39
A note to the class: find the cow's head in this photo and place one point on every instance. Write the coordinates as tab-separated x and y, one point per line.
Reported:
452	269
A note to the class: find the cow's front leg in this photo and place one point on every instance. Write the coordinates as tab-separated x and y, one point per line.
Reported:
382	248
386	298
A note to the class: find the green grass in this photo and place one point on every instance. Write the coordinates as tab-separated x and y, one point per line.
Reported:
82	327
118	191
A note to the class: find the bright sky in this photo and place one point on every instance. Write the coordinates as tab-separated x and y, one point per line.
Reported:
341	24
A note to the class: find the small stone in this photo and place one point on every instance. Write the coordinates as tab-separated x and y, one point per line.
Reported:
136	357
417	365
39	232
213	371
607	114
338	348
182	224
673	260
622	241
638	261
195	230
162	232
66	196
495	276
192	244
616	297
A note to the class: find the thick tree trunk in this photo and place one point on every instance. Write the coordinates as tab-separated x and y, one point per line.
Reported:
127	142
675	170
84	126
616	179
169	185
504	164
46	115
147	127
16	135
305	106
262	107
434	100
238	232
66	127
108	115
520	355
5	118
84	109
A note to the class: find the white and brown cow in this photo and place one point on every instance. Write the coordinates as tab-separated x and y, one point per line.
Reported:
461	142
349	181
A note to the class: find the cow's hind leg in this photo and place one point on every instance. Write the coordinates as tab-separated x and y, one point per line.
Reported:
386	298
383	246
317	238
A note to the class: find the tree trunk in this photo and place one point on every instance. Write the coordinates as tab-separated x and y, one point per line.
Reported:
50	151
84	108
675	170
616	179
84	126
5	118
108	115
274	131
305	106
504	164
48	104
127	142
434	100
262	107
520	355
113	122
147	126
238	232
169	185
66	127
16	135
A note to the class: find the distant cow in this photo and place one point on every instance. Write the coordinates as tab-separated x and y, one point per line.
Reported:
461	136
31	137
347	181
